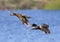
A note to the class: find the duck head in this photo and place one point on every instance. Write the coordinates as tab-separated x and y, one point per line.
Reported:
34	25
13	14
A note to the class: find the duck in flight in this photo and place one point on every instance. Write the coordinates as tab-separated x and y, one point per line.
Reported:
23	18
43	27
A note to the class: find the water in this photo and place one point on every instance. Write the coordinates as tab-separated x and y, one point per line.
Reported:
12	30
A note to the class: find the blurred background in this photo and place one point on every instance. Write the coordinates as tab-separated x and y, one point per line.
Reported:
30	4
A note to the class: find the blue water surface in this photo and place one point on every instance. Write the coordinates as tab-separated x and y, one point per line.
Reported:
12	30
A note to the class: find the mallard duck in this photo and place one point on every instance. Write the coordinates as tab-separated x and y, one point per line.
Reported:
43	27
23	18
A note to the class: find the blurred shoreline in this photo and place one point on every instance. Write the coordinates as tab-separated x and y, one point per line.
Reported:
27	4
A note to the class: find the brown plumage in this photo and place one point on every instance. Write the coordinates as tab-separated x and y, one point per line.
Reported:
43	27
23	18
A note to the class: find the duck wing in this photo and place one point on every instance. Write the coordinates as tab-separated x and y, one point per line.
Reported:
26	16
44	26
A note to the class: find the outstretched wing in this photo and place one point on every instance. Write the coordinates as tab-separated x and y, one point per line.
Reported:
26	16
45	26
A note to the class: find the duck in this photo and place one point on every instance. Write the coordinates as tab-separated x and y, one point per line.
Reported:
21	17
43	27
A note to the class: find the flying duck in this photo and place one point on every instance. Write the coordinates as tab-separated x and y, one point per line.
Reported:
43	27
23	18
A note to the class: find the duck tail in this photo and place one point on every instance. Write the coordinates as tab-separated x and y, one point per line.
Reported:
49	31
